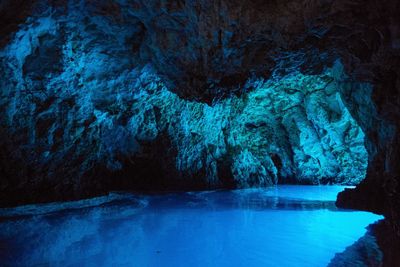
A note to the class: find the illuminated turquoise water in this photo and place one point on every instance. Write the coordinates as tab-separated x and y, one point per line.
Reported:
283	226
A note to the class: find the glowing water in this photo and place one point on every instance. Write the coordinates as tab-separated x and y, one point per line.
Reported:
284	226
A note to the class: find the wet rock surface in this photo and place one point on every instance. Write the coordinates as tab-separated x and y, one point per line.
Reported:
69	71
292	130
86	111
82	111
364	252
378	247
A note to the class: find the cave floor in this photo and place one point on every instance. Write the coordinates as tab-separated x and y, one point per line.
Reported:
277	226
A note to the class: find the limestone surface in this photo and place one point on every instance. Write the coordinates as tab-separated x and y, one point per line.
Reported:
130	94
80	114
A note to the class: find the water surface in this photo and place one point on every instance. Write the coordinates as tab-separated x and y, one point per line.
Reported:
280	226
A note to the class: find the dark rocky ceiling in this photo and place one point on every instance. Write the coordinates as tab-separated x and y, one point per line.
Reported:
205	51
208	49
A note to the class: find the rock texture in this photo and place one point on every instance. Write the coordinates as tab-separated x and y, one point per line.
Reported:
86	108
100	122
102	95
71	72
363	253
378	247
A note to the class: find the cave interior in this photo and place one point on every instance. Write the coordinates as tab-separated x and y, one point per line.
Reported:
171	96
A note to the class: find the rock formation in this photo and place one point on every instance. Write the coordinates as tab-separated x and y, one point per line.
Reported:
82	114
193	94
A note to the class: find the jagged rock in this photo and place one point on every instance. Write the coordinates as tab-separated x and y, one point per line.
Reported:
73	104
81	124
363	253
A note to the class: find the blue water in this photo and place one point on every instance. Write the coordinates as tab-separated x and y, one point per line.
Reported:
280	226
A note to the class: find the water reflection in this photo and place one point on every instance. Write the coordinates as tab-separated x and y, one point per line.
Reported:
284	226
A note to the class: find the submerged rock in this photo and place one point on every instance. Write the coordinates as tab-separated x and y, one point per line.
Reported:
363	253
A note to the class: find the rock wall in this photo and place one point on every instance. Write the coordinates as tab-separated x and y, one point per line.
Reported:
84	113
71	70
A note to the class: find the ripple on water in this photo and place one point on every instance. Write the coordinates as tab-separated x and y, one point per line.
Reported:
280	226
